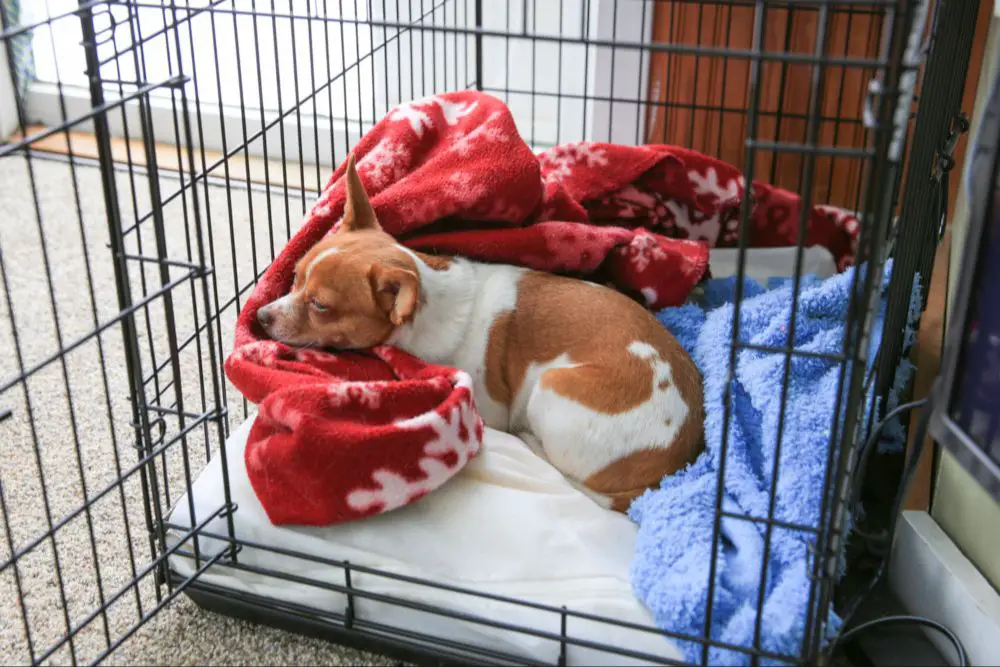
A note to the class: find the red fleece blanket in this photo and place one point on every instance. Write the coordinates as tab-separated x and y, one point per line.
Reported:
343	436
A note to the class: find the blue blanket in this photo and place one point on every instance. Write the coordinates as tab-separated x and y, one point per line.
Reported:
670	569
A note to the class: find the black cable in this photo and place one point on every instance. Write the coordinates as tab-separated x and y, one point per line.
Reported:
963	658
865	454
909	471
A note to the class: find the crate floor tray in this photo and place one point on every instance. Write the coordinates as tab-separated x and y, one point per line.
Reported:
487	561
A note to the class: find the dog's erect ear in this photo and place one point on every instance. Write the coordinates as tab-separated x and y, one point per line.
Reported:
358	211
396	291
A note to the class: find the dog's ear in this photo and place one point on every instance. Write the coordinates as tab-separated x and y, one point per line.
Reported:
358	211
396	291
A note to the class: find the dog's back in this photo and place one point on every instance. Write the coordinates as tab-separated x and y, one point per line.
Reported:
613	400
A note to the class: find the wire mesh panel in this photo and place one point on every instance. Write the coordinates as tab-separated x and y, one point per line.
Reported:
161	153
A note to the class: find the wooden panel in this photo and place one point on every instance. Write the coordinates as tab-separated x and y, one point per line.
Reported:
701	102
719	86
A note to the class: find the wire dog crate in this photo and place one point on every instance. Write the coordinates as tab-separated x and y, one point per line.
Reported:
159	153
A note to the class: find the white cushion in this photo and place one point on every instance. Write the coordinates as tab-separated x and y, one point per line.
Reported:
509	524
762	264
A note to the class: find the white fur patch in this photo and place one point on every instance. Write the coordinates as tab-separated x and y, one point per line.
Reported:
329	252
285	308
446	298
452	326
581	442
532	376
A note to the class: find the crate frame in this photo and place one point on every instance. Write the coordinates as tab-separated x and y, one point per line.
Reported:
162	423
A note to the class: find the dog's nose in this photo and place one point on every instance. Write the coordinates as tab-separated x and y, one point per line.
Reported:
264	317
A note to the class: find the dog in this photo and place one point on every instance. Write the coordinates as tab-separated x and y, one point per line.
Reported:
582	373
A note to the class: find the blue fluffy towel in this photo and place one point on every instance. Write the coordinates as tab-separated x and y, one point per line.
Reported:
671	565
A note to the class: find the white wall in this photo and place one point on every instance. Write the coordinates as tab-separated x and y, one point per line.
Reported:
573	70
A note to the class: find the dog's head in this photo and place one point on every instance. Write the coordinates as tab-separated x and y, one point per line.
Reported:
352	289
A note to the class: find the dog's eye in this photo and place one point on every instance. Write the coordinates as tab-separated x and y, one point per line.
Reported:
317	306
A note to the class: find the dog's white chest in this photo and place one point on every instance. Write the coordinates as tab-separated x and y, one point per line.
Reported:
454	324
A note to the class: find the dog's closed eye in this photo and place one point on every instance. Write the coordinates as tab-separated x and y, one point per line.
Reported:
317	306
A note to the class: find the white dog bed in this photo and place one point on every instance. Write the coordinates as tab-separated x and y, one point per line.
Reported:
509	524
762	264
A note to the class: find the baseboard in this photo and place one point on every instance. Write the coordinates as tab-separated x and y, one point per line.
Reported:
932	578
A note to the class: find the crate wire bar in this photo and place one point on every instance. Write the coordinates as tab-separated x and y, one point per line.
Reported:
193	135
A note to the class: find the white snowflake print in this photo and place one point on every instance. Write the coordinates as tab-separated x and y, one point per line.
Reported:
731	232
417	118
636	197
263	353
841	218
501	209
421	209
635	203
282	410
709	185
320	210
643	250
558	163
567	249
689	263
464	188
462	380
416	115
488	132
384	164
366	394
453	111
696	225
394	490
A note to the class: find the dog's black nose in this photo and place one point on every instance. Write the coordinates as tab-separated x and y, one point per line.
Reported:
264	317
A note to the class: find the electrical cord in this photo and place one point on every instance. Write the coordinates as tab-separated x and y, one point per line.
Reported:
909	472
865	454
962	656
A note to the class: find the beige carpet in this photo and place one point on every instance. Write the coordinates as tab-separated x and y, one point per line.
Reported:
82	432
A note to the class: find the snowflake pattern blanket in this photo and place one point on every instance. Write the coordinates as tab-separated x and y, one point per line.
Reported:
347	435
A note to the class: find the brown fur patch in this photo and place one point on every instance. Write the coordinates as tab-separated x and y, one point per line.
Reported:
603	388
496	356
627	478
435	262
609	378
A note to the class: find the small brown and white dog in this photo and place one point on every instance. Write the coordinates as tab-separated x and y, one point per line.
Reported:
586	376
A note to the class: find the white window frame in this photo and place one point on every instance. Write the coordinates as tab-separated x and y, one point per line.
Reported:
8	103
42	103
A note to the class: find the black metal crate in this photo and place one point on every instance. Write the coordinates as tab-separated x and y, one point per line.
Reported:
190	137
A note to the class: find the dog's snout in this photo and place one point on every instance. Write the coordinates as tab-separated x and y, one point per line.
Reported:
264	317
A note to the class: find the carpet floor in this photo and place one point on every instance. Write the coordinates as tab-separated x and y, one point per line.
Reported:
73	498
